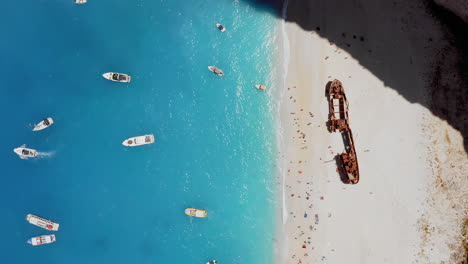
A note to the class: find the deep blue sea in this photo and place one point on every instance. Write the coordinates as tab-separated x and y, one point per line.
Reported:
215	137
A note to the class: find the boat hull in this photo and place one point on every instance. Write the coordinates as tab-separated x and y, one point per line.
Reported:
108	76
41	222
42	125
216	71
25	152
196	212
221	27
41	240
347	162
260	87
139	141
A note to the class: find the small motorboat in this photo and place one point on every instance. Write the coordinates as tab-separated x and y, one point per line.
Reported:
261	87
80	1
212	262
221	27
196	212
117	77
24	152
40	240
138	141
44	124
216	71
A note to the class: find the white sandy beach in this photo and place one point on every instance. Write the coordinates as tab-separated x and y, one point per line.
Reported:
380	219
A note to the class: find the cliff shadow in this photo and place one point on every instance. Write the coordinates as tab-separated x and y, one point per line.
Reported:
392	39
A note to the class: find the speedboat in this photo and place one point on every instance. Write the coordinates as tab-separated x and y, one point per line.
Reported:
261	87
196	212
80	1
41	222
40	240
138	141
25	152
215	70
212	262
221	27
117	77
44	124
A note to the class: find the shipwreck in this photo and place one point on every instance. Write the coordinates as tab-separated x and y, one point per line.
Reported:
339	121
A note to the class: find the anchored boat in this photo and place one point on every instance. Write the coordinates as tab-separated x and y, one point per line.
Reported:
138	141
261	87
212	262
221	27
196	212
81	1
216	71
40	240
24	152
44	124
117	77
41	222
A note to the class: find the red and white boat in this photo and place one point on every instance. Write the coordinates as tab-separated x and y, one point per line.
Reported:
41	222
40	240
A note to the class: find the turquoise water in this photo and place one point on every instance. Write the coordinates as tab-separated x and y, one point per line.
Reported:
215	140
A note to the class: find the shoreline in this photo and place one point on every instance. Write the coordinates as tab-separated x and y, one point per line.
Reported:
282	42
390	200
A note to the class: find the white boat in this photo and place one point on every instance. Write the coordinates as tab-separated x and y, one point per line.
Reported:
41	222
221	27
25	152
196	212
80	1
215	70
138	141
117	77
40	240
212	262
261	87
44	124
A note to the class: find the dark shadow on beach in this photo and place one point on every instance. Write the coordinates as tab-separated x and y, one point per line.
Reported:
327	95
392	39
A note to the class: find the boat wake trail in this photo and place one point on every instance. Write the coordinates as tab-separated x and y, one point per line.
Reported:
45	154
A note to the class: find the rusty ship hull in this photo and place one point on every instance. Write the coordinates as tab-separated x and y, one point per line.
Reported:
339	121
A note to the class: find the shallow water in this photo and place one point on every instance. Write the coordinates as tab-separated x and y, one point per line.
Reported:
215	140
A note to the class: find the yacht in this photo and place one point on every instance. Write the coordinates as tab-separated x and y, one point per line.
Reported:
44	124
138	141
221	27
41	222
212	262
40	240
24	152
216	71
261	87
80	1
117	77
196	212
